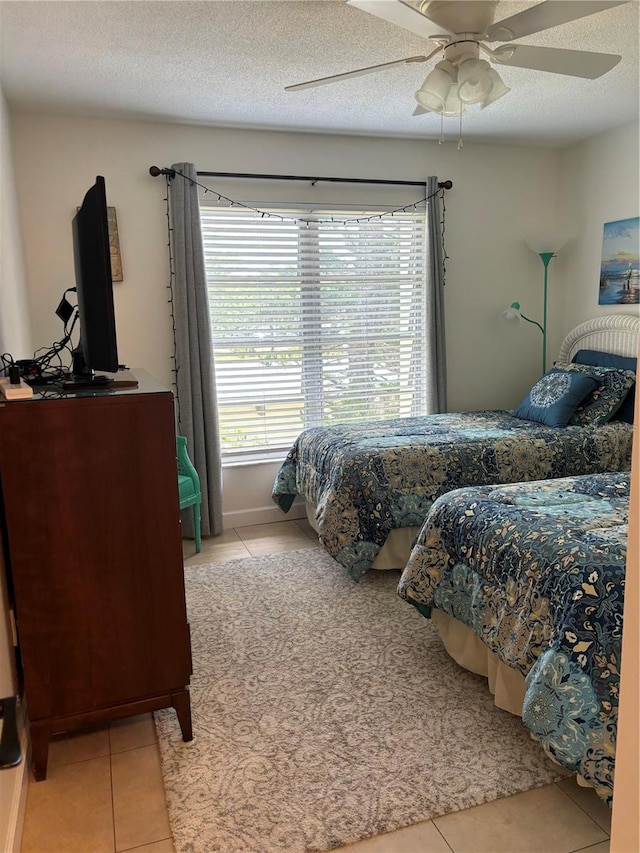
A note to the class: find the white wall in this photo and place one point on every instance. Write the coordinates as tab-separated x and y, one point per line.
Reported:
599	182
15	327
14	333
500	194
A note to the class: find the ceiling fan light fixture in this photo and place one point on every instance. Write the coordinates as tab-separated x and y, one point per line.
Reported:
498	88
474	82
453	105
462	78
433	93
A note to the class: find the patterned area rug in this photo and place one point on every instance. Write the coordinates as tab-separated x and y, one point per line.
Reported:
324	712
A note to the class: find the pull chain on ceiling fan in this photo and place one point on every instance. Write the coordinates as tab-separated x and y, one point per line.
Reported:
461	77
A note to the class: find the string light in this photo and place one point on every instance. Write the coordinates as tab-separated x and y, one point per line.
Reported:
306	222
376	216
170	288
413	206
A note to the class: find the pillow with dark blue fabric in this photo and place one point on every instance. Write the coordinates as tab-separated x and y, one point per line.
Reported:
600	405
554	398
622	362
605	359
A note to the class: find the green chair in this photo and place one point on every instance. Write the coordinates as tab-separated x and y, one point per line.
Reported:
189	486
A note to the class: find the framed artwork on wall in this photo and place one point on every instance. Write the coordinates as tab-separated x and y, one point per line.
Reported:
620	266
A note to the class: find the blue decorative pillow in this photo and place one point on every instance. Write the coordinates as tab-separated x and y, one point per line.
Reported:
622	362
605	359
555	397
600	405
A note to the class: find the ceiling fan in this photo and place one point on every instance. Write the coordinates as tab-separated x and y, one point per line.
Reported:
461	77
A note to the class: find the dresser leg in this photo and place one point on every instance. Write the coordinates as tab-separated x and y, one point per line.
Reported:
182	704
40	737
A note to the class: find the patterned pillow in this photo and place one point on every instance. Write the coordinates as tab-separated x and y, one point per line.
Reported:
601	405
620	362
554	398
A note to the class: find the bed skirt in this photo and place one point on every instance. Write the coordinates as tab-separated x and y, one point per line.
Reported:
506	684
395	551
468	650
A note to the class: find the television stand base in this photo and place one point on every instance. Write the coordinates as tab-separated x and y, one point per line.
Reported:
101	382
79	383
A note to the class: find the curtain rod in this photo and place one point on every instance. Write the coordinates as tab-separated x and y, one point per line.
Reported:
154	171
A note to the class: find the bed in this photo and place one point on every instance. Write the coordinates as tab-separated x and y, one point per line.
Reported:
526	584
368	488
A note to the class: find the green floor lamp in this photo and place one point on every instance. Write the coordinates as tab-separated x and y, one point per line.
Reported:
513	312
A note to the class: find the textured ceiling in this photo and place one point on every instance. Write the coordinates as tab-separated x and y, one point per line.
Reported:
226	63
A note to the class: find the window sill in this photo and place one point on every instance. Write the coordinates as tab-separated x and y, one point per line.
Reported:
245	461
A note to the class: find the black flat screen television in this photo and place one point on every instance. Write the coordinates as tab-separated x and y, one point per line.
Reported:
97	348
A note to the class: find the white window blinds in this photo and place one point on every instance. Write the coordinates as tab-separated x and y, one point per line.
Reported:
314	323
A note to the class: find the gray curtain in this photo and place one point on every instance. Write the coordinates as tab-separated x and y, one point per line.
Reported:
436	344
196	409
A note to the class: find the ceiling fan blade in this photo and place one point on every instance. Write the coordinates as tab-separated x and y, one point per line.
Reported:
551	13
371	68
574	63
420	111
399	13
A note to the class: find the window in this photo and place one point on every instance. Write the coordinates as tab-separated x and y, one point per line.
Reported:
314	322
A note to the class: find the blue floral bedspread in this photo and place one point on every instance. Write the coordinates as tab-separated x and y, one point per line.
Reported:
367	480
537	571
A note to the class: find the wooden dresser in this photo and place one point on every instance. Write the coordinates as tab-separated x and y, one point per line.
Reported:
90	513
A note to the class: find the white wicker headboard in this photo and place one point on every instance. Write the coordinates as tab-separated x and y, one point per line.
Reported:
614	333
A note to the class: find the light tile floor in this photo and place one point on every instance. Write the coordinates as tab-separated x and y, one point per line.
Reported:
104	792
